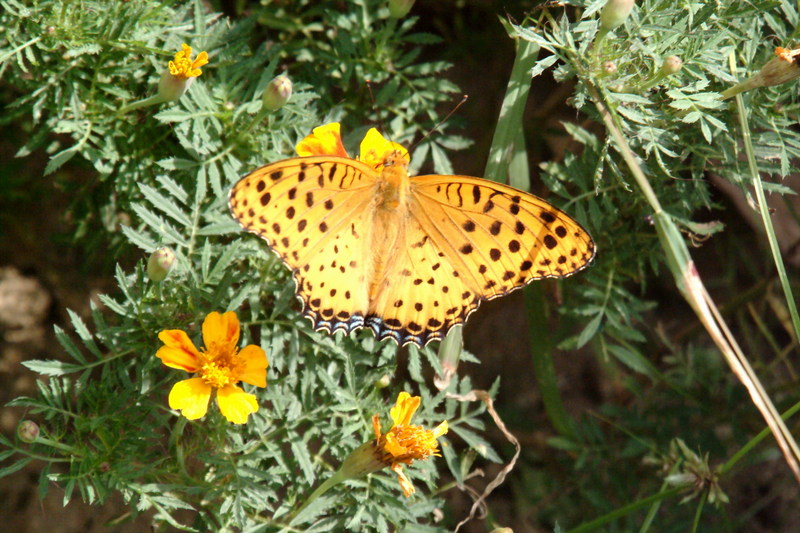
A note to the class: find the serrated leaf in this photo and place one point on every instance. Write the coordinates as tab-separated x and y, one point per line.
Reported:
300	452
59	159
51	367
19	465
164	205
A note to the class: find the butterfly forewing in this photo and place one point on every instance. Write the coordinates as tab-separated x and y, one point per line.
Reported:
505	237
310	210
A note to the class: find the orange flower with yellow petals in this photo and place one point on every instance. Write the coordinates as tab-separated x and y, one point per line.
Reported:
219	366
327	140
404	442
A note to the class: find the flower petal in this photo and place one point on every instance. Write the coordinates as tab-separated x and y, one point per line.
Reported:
375	149
324	140
405	483
190	396
221	328
255	365
178	351
404	408
235	404
440	430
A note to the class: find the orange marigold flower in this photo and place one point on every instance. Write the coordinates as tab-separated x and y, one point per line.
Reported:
219	366
327	140
404	442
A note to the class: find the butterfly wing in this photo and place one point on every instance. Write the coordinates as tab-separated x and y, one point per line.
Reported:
469	240
315	214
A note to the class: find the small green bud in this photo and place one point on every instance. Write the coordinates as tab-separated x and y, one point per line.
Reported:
277	93
614	13
671	65
28	431
384	381
160	263
400	8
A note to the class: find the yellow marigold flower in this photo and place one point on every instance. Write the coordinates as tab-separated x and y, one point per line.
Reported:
324	140
327	140
404	442
184	67
175	81
219	366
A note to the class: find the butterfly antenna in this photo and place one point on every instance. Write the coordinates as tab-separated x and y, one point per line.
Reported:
374	105
436	127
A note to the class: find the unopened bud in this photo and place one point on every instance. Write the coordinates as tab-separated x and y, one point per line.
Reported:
609	67
277	93
384	381
671	65
614	13
400	8
28	431
160	263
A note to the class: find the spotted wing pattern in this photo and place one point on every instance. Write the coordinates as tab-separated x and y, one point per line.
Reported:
314	212
469	240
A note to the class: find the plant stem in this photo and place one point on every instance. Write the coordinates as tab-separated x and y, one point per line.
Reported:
763	209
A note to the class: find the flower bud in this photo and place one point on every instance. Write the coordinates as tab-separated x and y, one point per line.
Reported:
614	13
384	381
28	431
160	263
400	8
609	67
671	65
277	93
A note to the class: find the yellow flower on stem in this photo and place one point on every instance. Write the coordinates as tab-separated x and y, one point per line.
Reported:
401	445
219	366
404	442
176	80
327	140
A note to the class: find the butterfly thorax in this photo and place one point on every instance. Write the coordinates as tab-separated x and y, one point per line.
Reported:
391	213
394	184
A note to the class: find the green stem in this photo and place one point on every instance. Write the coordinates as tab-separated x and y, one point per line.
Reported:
755	441
623	511
506	134
542	354
338	477
763	208
153	100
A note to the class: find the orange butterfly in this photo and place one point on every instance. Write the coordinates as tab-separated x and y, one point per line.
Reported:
409	257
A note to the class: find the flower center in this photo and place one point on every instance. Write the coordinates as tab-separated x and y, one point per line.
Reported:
221	365
407	443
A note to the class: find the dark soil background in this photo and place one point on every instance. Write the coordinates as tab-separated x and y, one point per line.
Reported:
42	274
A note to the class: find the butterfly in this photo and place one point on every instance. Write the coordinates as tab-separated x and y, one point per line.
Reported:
407	257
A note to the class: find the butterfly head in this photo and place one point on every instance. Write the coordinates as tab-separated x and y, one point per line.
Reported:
396	158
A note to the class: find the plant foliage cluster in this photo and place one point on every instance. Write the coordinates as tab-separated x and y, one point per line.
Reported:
159	176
